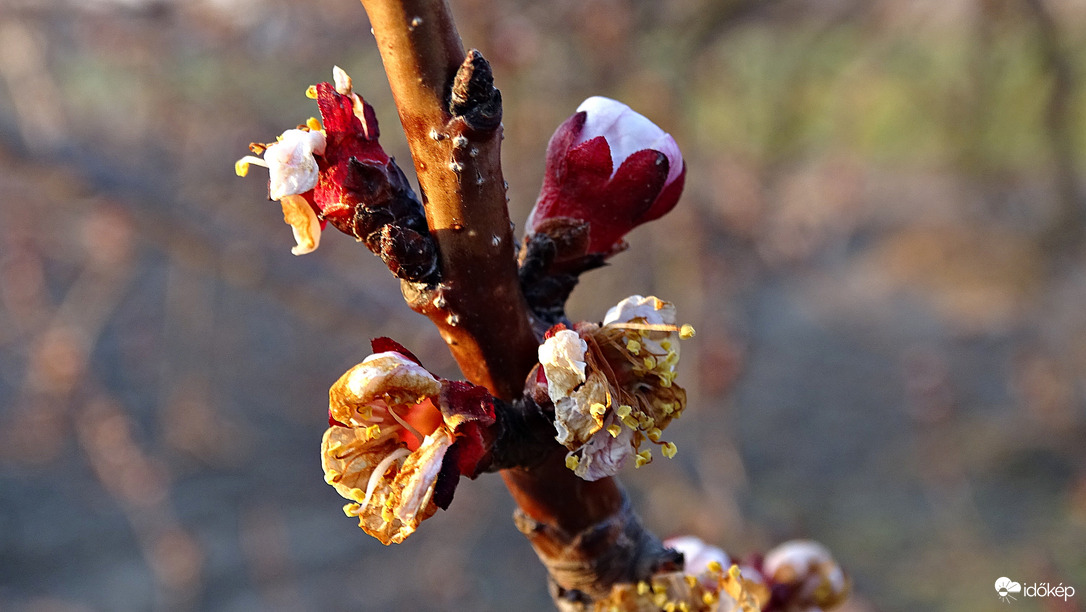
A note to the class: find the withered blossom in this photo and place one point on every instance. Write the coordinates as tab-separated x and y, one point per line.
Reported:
334	170
399	439
612	385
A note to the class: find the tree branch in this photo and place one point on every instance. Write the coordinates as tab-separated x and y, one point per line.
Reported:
583	531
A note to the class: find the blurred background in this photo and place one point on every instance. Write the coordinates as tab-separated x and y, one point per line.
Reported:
881	246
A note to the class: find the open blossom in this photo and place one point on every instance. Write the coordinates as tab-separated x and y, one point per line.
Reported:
612	385
399	439
609	167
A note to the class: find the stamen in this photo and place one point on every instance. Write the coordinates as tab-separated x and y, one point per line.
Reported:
351	509
313	124
614	430
686	332
311	92
715	567
669	450
379	472
633	346
373	431
572	462
241	167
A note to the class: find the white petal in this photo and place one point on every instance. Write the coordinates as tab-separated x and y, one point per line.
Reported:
652	309
627	132
392	373
292	168
562	358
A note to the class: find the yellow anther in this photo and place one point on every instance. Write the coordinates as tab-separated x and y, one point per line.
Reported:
686	331
657	303
642	458
313	124
650	362
654	434
683	607
241	167
311	92
667	407
715	567
659	599
645	421
669	449
633	346
331	476
690	580
669	607
351	509
709	598
597	409
358	495
614	430
623	411
642	587
659	588
387	515
572	462
630	422
665	344
373	431
665	381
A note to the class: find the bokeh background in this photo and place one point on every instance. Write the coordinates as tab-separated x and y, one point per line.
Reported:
880	244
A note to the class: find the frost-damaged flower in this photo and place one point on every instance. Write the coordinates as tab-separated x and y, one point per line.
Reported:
612	385
611	168
399	439
335	171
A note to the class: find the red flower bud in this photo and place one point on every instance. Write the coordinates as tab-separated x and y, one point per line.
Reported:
611	168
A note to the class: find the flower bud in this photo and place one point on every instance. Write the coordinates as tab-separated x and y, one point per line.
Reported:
611	168
804	576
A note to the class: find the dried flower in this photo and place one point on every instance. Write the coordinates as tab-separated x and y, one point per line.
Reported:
613	387
335	171
399	439
611	168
